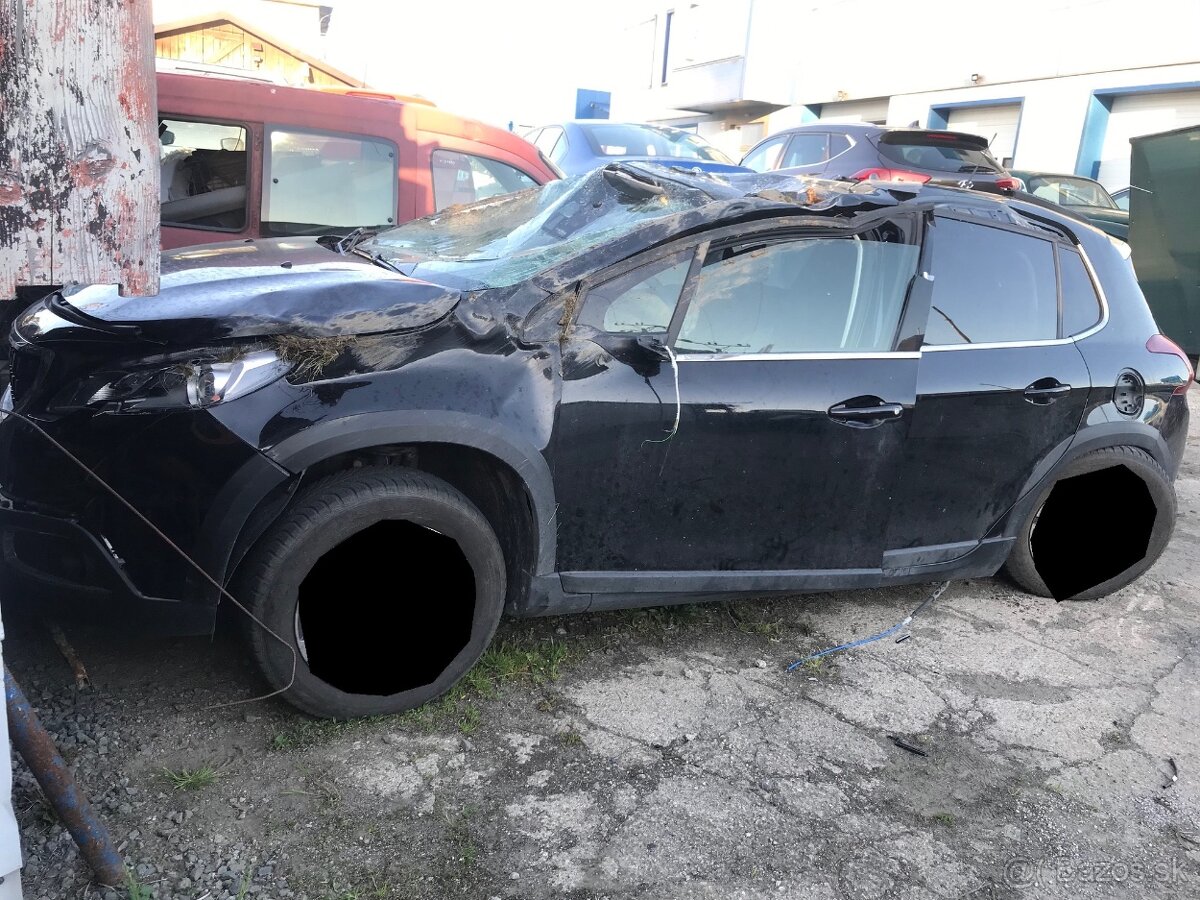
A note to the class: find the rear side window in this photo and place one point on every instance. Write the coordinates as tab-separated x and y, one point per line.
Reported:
936	154
991	286
765	157
838	144
1081	305
314	183
203	168
465	178
806	149
819	295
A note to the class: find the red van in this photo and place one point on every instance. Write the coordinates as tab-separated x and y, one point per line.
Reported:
244	158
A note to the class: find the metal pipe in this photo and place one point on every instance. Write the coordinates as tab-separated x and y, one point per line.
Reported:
37	748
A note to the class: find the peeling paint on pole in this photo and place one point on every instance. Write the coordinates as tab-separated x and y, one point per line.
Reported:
79	175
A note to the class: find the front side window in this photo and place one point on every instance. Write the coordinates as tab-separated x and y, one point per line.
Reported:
641	301
765	157
315	183
203	167
806	149
818	295
991	286
465	178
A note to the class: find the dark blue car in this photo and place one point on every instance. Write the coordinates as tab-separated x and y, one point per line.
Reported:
578	147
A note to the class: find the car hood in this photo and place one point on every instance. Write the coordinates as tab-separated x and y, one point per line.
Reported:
259	288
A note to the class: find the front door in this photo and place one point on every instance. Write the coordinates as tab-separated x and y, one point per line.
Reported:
768	441
999	393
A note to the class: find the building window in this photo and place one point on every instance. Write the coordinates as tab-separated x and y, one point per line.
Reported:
667	44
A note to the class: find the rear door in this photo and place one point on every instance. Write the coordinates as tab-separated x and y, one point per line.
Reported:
999	393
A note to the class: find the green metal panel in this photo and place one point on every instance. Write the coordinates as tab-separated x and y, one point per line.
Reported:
1164	230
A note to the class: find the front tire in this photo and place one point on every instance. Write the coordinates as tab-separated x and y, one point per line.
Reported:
385	586
1099	526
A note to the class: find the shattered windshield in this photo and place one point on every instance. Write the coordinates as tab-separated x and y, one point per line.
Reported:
499	242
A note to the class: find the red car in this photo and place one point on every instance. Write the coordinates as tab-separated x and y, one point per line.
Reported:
244	158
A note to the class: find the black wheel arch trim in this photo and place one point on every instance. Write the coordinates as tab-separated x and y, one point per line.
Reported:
360	432
1088	439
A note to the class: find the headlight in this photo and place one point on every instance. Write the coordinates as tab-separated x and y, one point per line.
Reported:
195	384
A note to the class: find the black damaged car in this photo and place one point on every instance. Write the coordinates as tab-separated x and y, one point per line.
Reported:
639	386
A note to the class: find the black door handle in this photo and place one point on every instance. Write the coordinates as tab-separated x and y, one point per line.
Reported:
1045	391
865	411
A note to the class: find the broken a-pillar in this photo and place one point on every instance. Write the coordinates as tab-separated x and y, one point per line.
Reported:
79	153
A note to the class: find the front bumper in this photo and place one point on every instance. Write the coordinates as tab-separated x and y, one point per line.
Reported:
62	532
58	555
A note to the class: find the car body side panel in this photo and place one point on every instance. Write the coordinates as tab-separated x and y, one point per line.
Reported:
975	438
500	404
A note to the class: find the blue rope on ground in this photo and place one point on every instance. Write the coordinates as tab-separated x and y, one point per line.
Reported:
941	589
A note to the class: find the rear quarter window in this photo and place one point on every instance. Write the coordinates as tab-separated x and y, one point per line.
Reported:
990	286
1081	305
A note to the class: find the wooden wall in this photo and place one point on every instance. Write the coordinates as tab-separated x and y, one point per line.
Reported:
228	45
79	147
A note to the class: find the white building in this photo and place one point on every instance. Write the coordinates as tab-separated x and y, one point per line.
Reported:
1055	85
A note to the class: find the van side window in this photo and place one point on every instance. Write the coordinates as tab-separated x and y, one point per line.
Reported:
465	178
203	168
314	183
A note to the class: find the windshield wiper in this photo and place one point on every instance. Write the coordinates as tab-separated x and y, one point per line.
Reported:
349	244
632	183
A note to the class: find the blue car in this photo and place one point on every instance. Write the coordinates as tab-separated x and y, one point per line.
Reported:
578	147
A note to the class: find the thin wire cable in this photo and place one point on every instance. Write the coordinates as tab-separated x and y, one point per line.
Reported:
941	588
678	402
170	543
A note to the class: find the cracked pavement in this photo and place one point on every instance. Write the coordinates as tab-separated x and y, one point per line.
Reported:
676	758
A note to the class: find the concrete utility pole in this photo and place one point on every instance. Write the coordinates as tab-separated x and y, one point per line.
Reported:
79	147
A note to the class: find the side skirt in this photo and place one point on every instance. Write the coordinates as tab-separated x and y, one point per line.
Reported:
569	592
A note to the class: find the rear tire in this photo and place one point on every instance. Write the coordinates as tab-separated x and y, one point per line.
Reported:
1022	566
325	517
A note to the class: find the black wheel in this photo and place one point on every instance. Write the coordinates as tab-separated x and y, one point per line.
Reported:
1102	523
387	584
